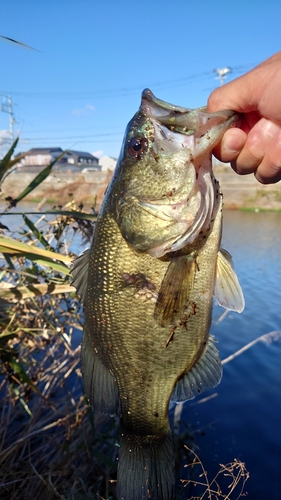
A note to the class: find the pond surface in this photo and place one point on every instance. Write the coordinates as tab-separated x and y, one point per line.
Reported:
243	418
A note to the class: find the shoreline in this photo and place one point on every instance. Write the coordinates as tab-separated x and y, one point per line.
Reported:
239	192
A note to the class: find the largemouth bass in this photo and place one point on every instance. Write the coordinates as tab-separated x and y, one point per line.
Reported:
147	285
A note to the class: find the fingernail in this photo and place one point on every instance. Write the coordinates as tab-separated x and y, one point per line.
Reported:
232	143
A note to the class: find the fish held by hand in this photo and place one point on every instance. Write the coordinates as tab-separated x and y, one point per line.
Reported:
147	285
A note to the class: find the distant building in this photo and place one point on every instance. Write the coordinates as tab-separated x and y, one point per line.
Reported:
71	160
40	156
107	163
81	159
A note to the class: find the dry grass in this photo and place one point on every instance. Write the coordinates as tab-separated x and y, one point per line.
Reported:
51	444
229	482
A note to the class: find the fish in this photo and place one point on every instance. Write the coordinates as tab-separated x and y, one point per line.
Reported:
147	284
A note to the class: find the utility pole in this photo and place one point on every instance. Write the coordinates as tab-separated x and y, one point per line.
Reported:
7	107
222	73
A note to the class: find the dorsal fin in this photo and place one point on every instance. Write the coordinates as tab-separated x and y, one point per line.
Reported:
79	273
228	292
173	296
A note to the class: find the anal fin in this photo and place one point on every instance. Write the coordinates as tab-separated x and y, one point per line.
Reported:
205	374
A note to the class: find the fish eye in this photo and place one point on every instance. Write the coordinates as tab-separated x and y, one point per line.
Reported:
137	146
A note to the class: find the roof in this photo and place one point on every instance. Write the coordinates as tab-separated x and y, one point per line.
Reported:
69	152
40	151
81	153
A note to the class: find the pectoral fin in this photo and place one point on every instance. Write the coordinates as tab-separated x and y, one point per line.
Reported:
173	296
228	292
80	274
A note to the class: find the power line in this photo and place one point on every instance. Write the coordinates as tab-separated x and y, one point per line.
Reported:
70	130
72	141
63	138
125	91
115	92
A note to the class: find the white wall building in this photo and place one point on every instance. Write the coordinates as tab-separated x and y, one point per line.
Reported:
107	163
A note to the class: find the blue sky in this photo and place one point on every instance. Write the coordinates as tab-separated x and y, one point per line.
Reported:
82	85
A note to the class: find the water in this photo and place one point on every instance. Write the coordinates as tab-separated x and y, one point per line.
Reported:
243	419
16	225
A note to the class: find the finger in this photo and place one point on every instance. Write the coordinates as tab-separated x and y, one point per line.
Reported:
256	145
241	94
231	145
269	171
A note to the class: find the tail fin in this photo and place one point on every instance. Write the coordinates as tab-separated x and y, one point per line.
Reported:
146	468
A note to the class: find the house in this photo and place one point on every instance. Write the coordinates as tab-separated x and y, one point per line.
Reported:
40	156
37	158
80	158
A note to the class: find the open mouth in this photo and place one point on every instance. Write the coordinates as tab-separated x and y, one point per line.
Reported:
185	126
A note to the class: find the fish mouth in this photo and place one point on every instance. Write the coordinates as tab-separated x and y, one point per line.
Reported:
185	120
194	129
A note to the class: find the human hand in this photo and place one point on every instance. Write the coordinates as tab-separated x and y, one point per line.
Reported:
256	145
